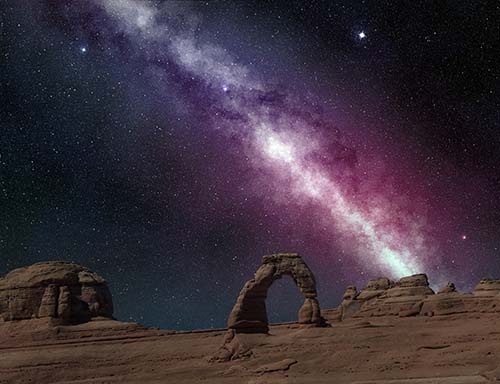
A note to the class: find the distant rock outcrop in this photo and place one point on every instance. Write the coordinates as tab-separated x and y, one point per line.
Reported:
412	296
375	288
403	298
487	287
448	288
249	313
55	290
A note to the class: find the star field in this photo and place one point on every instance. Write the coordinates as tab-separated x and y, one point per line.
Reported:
169	145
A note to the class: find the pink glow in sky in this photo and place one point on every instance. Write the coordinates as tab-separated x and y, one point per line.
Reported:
382	246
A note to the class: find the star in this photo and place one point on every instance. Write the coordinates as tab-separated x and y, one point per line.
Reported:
231	147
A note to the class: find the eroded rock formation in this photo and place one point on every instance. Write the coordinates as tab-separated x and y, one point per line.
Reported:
488	288
412	296
56	290
249	313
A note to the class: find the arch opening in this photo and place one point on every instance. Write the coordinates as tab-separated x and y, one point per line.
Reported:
284	300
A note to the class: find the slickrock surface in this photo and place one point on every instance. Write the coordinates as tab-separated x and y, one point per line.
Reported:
461	348
61	291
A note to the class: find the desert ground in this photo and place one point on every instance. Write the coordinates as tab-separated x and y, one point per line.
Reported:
452	349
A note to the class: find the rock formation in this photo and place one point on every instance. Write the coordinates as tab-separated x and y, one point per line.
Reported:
249	313
448	288
56	290
349	304
453	339
403	298
374	288
487	287
411	296
233	348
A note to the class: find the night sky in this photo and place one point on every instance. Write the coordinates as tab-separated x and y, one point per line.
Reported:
169	145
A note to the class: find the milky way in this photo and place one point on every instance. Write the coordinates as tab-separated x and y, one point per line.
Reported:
271	131
169	145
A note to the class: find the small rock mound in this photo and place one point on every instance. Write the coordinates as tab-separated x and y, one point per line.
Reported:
233	348
278	366
448	288
57	290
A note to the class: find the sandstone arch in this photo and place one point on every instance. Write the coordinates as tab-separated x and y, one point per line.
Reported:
249	313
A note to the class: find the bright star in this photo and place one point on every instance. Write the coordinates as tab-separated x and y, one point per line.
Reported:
362	35
83	49
225	88
464	237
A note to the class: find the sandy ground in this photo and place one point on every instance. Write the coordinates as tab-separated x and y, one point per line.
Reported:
454	349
